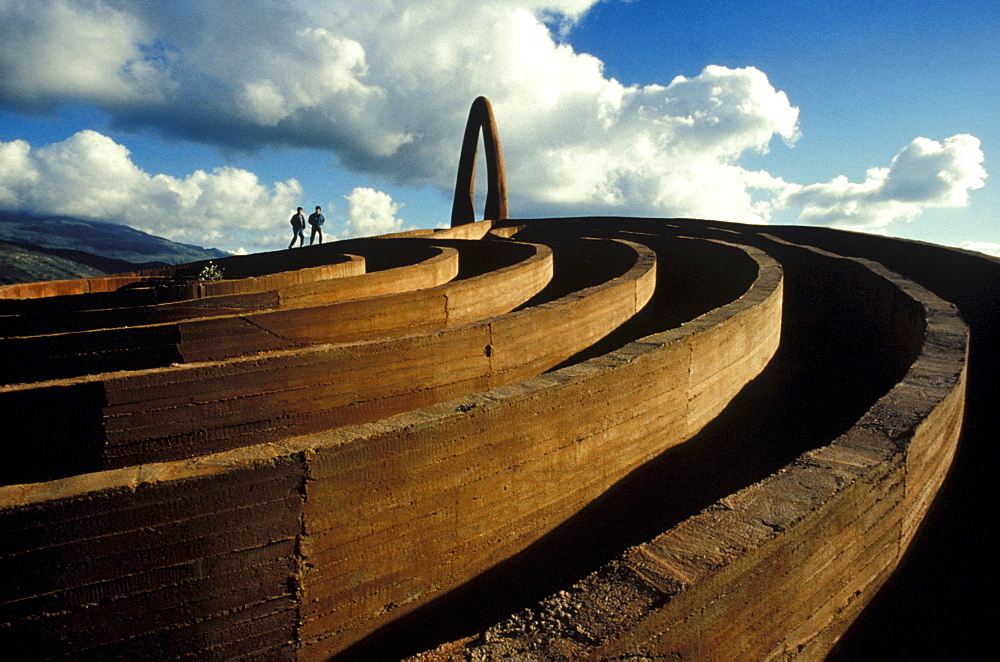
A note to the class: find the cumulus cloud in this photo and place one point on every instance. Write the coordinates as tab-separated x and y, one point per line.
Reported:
91	176
988	247
371	212
924	174
65	50
385	87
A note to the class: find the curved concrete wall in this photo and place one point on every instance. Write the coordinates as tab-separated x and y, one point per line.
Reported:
57	288
132	338
931	606
386	538
252	550
255	272
395	266
226	336
151	300
187	410
455	303
471	485
476	230
781	568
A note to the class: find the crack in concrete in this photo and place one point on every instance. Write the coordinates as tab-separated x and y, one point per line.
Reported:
272	333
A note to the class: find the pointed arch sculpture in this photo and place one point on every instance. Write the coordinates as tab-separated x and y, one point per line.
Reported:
463	209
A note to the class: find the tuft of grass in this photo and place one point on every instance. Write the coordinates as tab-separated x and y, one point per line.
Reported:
210	271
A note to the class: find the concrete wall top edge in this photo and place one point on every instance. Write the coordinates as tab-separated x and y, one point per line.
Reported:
533	254
538	253
247	267
241	263
476	230
643	262
283	292
17	496
718	538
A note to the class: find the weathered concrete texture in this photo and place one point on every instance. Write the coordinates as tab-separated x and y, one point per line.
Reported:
935	605
131	338
187	410
434	473
430	302
153	300
433	477
392	267
444	484
781	568
184	411
474	230
256	272
196	559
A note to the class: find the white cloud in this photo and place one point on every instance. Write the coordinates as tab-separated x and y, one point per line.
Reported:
385	87
988	247
18	173
326	65
90	176
370	213
667	151
936	174
58	50
925	173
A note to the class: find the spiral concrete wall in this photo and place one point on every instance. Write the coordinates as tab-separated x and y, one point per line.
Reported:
618	437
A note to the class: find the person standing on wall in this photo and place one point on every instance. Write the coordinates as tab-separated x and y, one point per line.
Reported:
316	221
298	228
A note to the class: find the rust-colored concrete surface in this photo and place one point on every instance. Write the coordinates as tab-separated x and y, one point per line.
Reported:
187	410
815	537
241	274
689	438
428	303
396	266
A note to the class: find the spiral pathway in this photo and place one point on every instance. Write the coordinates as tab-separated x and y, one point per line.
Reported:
597	438
551	438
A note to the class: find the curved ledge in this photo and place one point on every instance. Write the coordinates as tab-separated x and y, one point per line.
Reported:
822	533
233	324
808	483
261	270
344	278
299	537
118	419
152	300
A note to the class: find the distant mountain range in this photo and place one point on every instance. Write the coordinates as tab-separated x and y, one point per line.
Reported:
57	247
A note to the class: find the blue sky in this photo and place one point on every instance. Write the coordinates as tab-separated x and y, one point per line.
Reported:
208	122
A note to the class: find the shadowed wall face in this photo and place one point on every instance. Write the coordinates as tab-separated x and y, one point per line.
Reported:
352	540
847	502
36	443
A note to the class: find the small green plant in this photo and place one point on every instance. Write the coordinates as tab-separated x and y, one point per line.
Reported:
210	271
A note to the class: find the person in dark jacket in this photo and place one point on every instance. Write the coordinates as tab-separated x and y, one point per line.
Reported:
316	221
298	227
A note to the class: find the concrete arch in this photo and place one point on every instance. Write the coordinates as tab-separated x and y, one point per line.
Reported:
463	209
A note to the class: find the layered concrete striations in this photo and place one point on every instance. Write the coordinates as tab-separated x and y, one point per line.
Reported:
363	472
780	568
240	274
